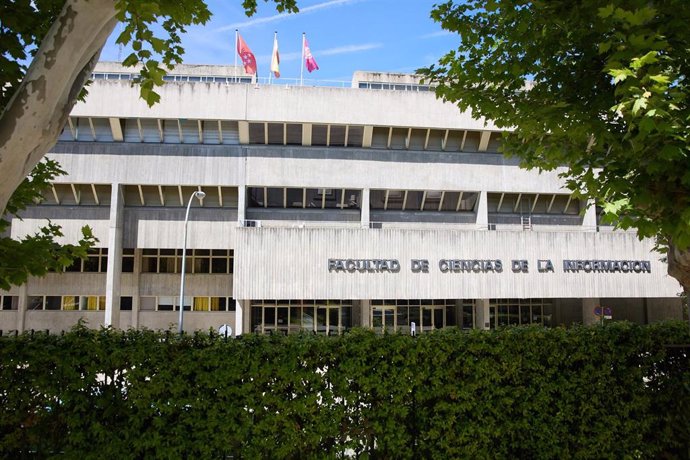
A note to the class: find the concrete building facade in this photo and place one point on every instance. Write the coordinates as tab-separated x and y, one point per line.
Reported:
325	208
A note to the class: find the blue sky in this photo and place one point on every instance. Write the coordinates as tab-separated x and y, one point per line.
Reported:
344	36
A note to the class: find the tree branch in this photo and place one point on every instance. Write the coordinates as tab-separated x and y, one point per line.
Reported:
34	117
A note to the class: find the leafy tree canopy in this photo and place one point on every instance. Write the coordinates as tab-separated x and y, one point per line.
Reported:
36	254
598	87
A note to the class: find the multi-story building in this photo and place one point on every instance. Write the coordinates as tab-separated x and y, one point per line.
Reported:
325	208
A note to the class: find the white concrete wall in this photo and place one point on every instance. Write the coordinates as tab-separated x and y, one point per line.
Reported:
200	234
274	103
303	172
71	229
293	263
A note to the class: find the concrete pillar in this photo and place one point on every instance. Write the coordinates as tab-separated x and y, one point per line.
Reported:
364	314
588	316
306	134
136	299
366	193
481	315
589	221
21	307
367	135
112	283
246	316
239	318
241	204
482	211
243	131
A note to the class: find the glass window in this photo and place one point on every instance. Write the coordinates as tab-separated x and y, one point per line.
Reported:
521	311
91	264
166	303
219	265
10	302
53	302
168	264
289	316
126	303
35	303
70	302
92	303
202	304
202	264
187	302
75	267
127	260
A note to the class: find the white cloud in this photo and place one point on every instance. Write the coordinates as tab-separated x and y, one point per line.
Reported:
440	33
280	17
348	49
294	56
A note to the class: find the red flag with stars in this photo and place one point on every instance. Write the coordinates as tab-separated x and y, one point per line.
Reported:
246	55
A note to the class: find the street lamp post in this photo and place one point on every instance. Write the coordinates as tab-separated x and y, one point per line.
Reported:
200	196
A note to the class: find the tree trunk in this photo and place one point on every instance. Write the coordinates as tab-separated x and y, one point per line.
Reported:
679	268
33	119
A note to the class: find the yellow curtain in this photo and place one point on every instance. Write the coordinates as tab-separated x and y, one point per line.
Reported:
200	303
215	303
92	303
69	302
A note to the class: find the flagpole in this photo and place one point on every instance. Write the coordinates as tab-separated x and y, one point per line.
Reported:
237	33
275	37
301	68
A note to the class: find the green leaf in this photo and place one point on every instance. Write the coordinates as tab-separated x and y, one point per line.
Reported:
640	103
663	79
130	60
649	58
606	11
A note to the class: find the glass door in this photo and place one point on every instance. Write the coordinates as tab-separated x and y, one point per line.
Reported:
383	317
432	317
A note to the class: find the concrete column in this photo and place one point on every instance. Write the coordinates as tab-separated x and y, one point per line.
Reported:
243	131
589	221
366	193
241	204
246	316
364	313
481	315
306	134
239	318
588	316
482	211
21	307
112	283
136	299
367	136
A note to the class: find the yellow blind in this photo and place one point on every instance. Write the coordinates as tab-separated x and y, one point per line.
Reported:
69	302
200	303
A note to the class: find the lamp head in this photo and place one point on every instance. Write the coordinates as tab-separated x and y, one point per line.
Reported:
200	195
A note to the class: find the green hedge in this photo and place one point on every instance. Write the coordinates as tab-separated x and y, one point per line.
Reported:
619	391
